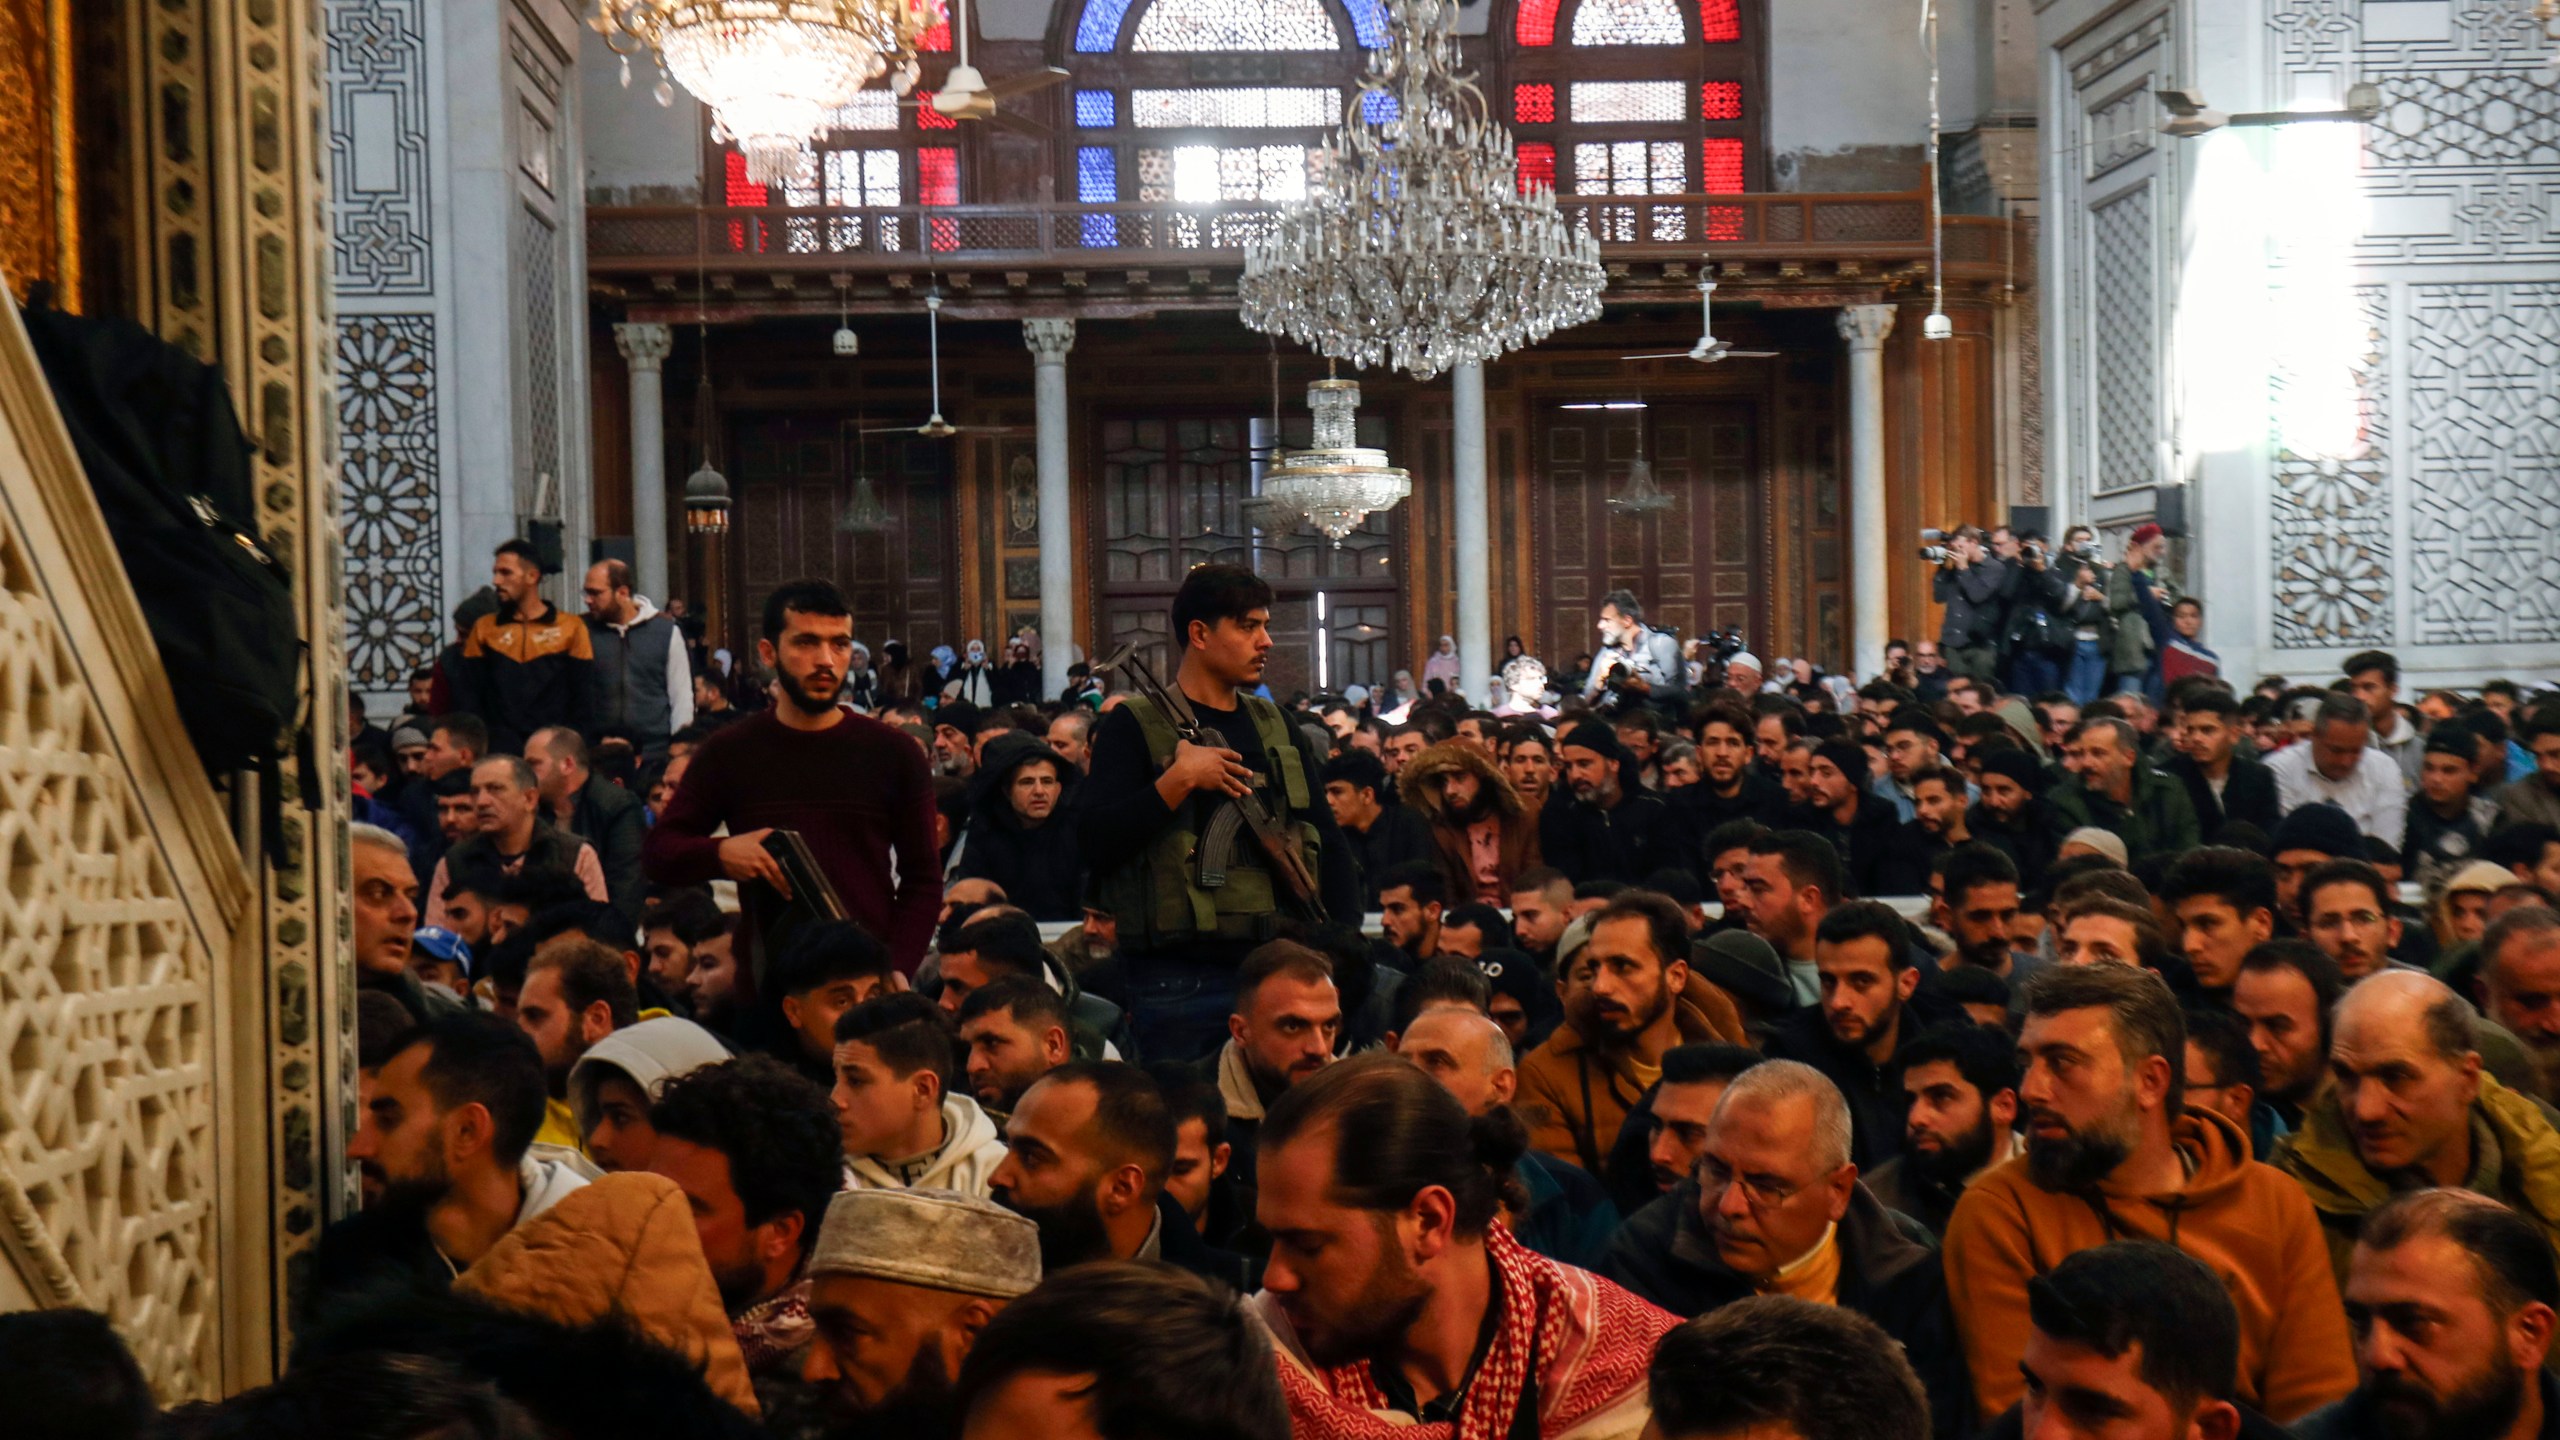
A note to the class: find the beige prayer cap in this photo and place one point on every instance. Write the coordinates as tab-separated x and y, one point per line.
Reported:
932	1239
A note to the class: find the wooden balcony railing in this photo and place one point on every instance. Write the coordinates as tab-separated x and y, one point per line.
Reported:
637	240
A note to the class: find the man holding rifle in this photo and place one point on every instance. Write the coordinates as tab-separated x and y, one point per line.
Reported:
1205	842
854	790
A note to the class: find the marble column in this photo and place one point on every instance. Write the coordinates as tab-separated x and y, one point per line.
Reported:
644	349
1865	327
1475	608
1049	341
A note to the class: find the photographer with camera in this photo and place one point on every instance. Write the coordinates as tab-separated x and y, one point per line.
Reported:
2092	625
1969	582
1637	664
2038	633
2129	658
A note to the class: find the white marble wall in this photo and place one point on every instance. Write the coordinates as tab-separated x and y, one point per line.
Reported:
457	210
2341	338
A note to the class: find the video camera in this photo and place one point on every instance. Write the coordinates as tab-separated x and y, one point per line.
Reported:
1718	646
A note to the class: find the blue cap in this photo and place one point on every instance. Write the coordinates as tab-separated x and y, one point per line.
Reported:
438	943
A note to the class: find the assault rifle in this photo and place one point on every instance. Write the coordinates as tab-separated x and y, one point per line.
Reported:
813	898
1296	884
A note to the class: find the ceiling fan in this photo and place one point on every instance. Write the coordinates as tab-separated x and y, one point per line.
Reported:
1709	349
935	427
967	95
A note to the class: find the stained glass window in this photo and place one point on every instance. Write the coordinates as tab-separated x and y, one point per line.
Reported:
1627	101
1207	174
1629	22
867	110
739	190
1720	167
1533	104
1534	23
936	40
1368	22
1185	26
1377	106
1630	167
1720	21
1234	108
1098	28
1097	109
938	183
1098	183
1720	100
928	118
1537	166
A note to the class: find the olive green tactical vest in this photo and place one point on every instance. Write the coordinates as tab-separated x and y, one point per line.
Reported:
1157	898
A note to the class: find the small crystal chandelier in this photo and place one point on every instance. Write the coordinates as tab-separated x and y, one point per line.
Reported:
1642	496
1333	483
864	514
772	71
1417	244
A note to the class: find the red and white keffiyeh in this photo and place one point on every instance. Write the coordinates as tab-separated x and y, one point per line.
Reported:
1592	1343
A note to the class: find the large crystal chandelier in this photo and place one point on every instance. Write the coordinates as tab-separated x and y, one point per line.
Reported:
1333	483
1417	245
772	71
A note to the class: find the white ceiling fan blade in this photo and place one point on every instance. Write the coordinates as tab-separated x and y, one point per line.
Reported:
1674	355
1751	354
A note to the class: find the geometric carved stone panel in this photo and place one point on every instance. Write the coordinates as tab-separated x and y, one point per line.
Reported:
382	220
2124	342
107	1117
2331	517
389	496
2484	481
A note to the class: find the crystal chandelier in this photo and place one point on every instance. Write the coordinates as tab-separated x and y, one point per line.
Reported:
1642	496
1417	245
1333	483
772	71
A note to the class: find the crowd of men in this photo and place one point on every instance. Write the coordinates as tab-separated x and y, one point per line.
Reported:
1720	1062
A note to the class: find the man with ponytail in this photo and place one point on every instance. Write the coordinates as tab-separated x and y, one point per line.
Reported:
1400	1308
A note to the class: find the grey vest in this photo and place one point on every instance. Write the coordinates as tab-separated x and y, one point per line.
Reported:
630	679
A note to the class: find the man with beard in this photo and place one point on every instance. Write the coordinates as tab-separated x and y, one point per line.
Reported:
1978	908
1862	825
1612	828
1793	879
1287	1021
2112	1153
1729	787
753	1146
2408	1106
2520	976
1410	898
1637	664
2287	989
1529	762
1394	1299
2012	816
1913	745
526	665
1775	1207
2452	1297
1013	1031
1869	1003
855	790
1939	799
446	1130
2347	910
1963	1085
1540	902
1694	1078
1582	1082
576	992
901	1284
1086	1154
2113	789
1017	836
1482	836
2133	1341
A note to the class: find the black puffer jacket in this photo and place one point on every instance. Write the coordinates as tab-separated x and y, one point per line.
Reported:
1038	866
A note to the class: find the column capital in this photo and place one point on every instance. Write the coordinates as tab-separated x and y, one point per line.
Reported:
1049	339
1866	326
645	347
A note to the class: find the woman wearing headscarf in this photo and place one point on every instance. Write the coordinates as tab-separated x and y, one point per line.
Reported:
861	682
899	683
975	676
1443	666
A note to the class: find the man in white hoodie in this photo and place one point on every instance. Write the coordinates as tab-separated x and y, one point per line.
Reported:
612	1086
641	682
903	1129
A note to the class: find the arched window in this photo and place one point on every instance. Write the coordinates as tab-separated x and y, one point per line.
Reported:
1634	98
1213	103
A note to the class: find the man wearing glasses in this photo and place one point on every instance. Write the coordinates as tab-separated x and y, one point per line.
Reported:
1775	1207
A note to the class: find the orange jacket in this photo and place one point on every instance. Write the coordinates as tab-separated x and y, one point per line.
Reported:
1574	1097
2248	1222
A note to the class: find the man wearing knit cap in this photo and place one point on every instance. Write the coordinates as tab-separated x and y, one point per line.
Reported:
2310	837
2134	644
1861	824
2012	816
901	1284
1612	828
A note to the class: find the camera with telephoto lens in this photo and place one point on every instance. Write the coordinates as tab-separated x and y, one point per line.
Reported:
1936	552
1718	647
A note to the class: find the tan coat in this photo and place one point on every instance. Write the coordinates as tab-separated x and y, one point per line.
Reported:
1574	1097
622	1247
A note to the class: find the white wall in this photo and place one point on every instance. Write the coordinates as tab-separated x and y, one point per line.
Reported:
638	151
1848	94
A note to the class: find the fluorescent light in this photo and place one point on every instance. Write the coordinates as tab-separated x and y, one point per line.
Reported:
1603	405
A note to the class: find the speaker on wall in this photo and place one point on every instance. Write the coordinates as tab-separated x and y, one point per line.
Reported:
2169	510
2038	518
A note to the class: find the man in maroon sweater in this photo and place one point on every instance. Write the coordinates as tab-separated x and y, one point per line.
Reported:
855	789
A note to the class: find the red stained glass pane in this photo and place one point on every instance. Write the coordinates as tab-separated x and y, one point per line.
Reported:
1720	100
1533	104
1720	21
741	190
1537	167
1720	167
1724	222
937	40
1535	23
938	183
928	118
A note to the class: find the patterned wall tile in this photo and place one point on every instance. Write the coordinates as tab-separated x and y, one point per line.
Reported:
2484	481
382	223
2124	360
390	496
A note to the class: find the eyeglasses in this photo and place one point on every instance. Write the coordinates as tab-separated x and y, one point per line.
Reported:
1759	1194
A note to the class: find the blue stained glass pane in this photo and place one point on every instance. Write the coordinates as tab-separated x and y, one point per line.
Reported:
1101	232
1368	22
1377	106
1097	174
1098	29
1097	109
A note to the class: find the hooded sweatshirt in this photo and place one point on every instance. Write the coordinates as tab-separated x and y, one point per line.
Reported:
1038	866
1515	832
648	1054
966	1161
2249	1223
